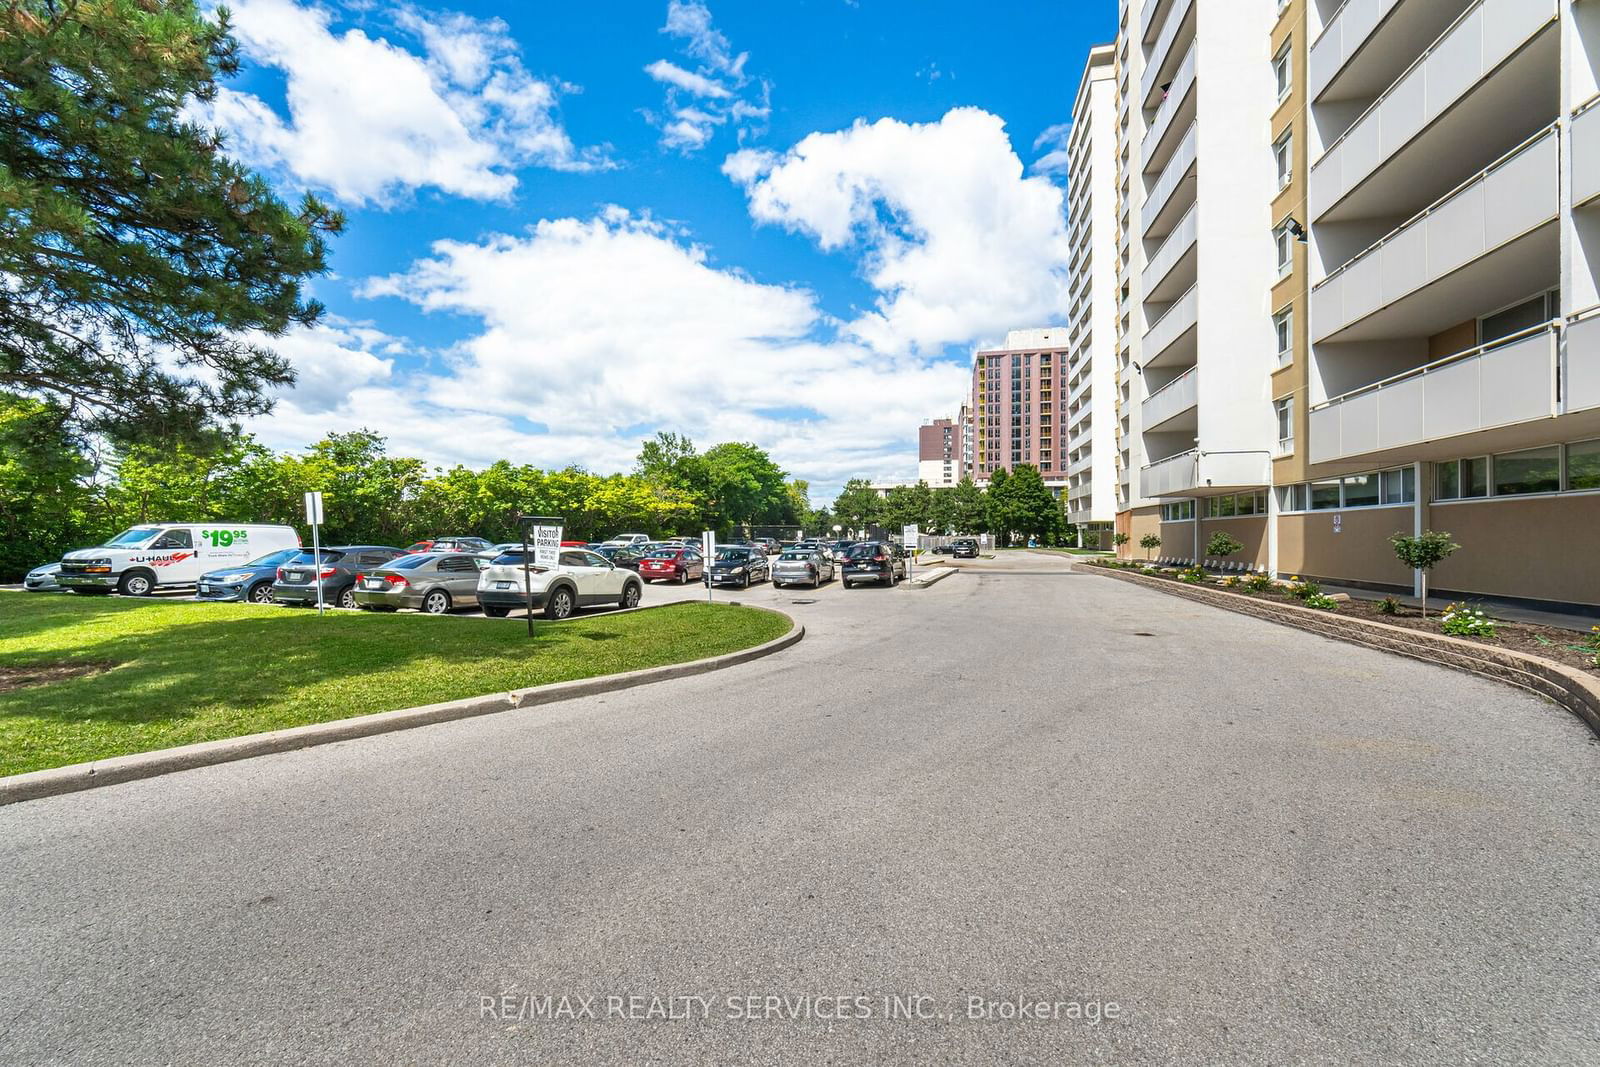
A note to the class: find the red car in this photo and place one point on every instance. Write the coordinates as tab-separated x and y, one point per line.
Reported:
665	564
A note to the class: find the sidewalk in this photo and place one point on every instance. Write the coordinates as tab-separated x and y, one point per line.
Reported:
1499	609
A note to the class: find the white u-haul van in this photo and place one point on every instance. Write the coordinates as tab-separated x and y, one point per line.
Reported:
166	554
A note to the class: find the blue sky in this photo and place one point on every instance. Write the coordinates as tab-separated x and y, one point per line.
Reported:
572	225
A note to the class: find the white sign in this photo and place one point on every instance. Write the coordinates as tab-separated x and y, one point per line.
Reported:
708	544
1338	524
314	508
546	543
908	535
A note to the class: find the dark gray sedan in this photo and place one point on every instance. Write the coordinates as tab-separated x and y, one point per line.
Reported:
434	582
738	565
298	579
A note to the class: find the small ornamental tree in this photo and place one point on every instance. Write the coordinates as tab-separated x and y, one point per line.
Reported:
1223	545
1119	540
1421	552
1149	542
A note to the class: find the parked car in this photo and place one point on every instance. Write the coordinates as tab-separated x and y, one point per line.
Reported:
675	563
628	539
738	565
802	566
581	579
434	582
769	545
838	548
163	555
622	557
873	561
250	582
43	579
297	580
964	548
451	544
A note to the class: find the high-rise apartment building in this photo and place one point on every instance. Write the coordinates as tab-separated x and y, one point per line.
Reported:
1092	297
1359	271
1015	392
939	453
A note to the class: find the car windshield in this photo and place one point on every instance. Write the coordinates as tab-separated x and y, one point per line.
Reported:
130	538
329	555
732	555
406	563
862	551
274	559
509	559
797	554
666	553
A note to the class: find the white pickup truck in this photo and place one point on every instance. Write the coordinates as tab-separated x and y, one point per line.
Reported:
139	560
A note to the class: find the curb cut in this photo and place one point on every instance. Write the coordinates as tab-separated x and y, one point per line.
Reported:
1555	681
76	777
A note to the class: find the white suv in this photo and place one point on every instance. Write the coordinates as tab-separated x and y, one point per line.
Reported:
581	579
628	540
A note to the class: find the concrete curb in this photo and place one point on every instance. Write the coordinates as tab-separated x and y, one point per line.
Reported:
79	776
1569	688
932	576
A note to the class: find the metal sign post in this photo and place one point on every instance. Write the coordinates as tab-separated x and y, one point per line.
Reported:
708	552
314	517
908	535
544	532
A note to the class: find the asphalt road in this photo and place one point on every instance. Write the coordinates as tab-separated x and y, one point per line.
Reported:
1262	846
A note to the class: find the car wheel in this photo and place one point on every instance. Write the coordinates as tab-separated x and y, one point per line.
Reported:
136	583
630	595
496	611
346	597
436	602
683	577
746	580
260	593
560	604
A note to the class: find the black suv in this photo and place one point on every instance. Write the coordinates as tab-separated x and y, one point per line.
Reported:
964	548
873	561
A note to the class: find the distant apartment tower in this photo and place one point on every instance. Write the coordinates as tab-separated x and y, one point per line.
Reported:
939	452
1091	447
1015	392
1200	205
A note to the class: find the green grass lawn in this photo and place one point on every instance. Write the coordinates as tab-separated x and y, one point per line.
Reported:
187	672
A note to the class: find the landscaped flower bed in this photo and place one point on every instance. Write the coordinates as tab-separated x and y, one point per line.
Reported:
1567	647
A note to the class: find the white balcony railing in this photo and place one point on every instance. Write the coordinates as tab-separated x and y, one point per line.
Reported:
1176	321
1581	374
1201	471
1517	193
1175	247
1511	381
1158	55
1182	84
1584	147
1171	400
1341	38
1177	169
1485	35
1150	18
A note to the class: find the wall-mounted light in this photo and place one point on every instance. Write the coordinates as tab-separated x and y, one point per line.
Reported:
1297	231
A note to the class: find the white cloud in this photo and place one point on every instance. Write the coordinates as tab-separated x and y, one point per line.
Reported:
333	359
1056	159
958	242
722	93
597	332
369	119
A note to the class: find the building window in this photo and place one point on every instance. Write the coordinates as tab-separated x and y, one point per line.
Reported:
1400	486
1519	317
1283	244
1361	491
1283	158
1583	465
1536	470
1283	69
1325	495
1283	328
1177	511
1285	412
1237	505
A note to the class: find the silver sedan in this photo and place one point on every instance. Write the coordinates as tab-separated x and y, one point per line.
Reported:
802	566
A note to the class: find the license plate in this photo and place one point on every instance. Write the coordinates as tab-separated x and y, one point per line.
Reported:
502	585
373	583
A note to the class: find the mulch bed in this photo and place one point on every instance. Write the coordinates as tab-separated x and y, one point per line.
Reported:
1553	643
45	673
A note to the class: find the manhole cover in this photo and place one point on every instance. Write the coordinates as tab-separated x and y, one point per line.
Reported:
811	601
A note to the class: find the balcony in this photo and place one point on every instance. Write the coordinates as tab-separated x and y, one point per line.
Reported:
1174	191
1170	340
1581	380
1508	383
1481	75
1162	278
1367	42
1200	473
1157	67
1152	17
1177	398
1483	245
1584	146
1174	115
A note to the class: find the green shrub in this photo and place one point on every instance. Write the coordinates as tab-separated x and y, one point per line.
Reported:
1194	575
1463	621
1320	602
1223	544
1259	583
1388	606
1304	590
